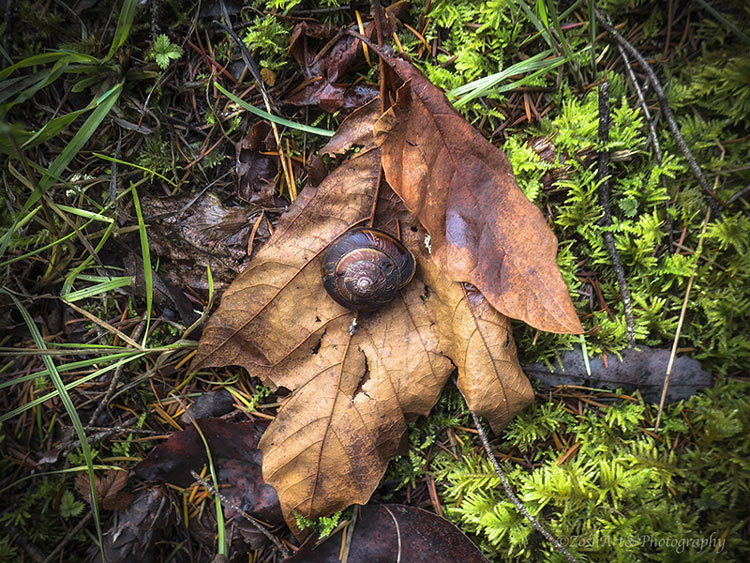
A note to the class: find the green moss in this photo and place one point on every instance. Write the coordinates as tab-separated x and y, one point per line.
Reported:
624	496
269	37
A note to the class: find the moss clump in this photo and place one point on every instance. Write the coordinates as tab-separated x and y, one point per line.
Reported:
623	495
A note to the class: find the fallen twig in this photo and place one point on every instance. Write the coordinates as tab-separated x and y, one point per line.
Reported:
711	197
512	496
69	536
137	332
606	221
642	102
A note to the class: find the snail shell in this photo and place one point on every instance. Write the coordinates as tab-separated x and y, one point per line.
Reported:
364	268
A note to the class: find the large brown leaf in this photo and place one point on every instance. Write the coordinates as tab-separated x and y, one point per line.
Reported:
354	390
461	188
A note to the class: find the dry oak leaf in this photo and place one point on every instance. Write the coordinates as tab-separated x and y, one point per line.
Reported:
353	392
483	229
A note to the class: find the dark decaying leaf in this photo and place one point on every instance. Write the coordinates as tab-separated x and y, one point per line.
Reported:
393	532
256	172
236	458
325	56
237	461
353	392
642	368
483	229
213	403
136	530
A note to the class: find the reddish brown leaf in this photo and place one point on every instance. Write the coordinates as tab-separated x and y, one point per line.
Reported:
109	489
325	57
235	456
394	532
353	391
461	188
355	130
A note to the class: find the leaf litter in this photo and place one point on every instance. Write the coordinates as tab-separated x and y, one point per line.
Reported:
354	391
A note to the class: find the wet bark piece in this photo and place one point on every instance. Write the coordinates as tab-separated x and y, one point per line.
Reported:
641	368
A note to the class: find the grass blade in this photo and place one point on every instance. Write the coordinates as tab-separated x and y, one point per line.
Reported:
62	368
98	289
64	388
146	255
139	167
479	87
82	136
41	248
124	23
35	60
69	408
265	115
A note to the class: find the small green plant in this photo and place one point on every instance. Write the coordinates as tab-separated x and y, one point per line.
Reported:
269	36
163	51
323	526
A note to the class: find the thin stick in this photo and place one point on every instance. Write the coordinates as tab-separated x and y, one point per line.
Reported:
512	496
73	531
673	353
606	221
350	534
116	376
642	102
245	515
711	197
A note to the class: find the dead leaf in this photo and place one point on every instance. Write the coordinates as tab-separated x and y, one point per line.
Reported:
325	56
237	461
353	392
209	405
135	532
642	368
184	451
482	228
394	532
109	489
192	233
257	171
355	131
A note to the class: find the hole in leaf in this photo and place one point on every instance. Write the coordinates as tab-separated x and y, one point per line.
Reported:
316	347
427	292
364	378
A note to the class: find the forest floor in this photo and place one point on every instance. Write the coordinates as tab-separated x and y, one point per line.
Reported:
137	188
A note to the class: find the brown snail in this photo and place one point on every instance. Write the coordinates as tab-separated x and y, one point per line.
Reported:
364	268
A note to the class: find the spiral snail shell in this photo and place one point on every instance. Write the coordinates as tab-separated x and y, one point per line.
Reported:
364	268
